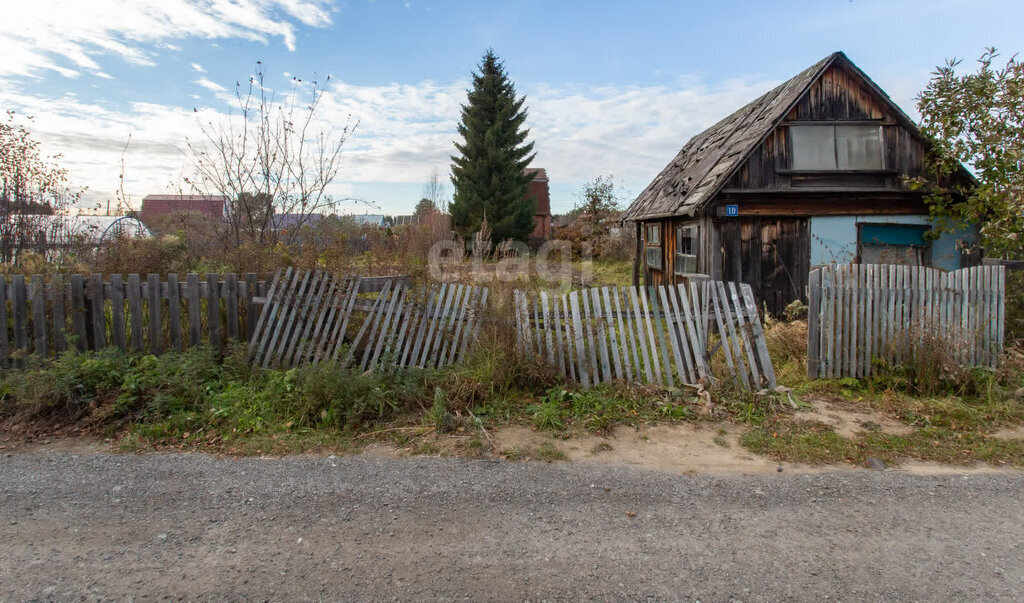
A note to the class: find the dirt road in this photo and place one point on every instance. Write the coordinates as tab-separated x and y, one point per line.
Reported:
194	526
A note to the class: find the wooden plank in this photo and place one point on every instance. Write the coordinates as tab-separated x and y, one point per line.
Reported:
308	342
303	321
613	337
231	305
468	302
401	320
682	329
625	335
423	335
603	328
814	311
20	320
5	350
659	330
118	333
371	318
384	330
578	339
251	310
538	328
258	340
590	342
39	315
759	341
155	320
472	331
173	312
291	301
558	336
548	336
336	321
77	311
430	350
746	335
727	333
677	334
570	354
453	324
99	317
645	335
195	312
397	346
641	339
697	340
59	319
134	293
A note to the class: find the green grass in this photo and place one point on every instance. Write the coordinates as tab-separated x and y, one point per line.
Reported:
815	443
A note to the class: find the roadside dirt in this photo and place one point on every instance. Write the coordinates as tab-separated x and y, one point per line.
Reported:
848	422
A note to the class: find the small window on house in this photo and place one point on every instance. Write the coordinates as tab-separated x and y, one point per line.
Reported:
686	250
654	246
904	244
835	147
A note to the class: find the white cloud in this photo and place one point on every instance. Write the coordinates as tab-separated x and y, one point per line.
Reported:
198	68
405	132
67	36
210	85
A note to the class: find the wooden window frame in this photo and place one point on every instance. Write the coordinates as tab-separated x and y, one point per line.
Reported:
926	248
651	246
790	169
681	259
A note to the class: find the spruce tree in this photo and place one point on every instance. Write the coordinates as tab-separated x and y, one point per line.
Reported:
488	174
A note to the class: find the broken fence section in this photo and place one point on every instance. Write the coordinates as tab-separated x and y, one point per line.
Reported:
859	314
373	323
657	335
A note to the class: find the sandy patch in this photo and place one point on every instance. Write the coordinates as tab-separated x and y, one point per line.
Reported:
1010	433
849	423
682	448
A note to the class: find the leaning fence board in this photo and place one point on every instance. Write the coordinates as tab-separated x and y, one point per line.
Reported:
858	314
39	315
655	338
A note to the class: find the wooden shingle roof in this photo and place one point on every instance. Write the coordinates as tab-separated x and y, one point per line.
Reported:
705	163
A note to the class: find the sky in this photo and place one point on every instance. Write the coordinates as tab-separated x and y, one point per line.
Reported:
612	88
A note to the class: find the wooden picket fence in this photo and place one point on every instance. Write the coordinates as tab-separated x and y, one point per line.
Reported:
658	335
315	317
860	314
41	316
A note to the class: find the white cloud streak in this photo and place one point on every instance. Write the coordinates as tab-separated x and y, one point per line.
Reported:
405	132
68	36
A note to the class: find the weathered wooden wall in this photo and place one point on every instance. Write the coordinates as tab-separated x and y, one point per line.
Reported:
772	255
836	97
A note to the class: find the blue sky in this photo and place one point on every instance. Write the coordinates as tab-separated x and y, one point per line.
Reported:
612	87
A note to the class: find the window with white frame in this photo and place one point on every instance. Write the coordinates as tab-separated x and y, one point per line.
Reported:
653	248
686	250
836	147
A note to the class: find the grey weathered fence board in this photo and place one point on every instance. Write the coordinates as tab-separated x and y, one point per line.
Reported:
658	340
858	314
98	315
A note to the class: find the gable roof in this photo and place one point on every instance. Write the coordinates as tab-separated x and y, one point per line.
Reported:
707	161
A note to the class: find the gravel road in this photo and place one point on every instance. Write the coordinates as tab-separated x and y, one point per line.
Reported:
198	527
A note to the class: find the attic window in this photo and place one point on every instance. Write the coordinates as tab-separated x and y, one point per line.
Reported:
836	147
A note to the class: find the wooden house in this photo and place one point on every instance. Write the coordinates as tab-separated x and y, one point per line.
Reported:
813	172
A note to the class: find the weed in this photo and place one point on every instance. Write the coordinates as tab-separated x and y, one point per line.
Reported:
548	453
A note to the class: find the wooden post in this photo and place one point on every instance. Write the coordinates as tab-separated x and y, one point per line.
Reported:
77	312
814	324
59	321
117	311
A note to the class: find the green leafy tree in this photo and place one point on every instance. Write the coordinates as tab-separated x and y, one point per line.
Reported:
977	119
488	174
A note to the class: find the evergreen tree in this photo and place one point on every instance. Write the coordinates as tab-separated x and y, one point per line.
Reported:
488	173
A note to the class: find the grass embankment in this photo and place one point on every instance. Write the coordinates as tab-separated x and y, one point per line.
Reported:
199	401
